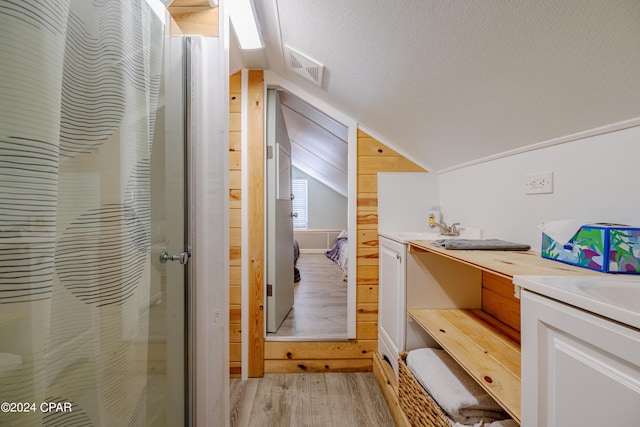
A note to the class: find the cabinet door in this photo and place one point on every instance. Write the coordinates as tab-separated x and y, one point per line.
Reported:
578	369
391	294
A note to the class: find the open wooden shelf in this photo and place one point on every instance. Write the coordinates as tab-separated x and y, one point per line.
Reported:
485	343
484	351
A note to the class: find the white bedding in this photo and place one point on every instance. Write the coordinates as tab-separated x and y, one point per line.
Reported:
339	252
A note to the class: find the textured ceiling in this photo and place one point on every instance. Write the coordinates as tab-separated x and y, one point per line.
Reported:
454	81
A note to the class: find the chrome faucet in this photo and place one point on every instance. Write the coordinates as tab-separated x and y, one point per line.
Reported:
446	230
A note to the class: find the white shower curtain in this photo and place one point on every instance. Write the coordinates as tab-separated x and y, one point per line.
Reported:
79	86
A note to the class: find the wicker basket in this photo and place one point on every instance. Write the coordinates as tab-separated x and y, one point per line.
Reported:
420	408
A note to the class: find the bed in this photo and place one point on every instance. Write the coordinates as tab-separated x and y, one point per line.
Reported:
339	252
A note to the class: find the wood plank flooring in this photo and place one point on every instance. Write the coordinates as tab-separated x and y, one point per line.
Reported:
310	400
320	302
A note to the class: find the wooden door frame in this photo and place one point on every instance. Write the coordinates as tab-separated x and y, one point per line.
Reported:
254	347
255	265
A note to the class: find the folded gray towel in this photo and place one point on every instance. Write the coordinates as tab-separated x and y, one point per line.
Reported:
480	244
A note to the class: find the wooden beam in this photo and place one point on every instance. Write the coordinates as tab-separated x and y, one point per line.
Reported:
255	211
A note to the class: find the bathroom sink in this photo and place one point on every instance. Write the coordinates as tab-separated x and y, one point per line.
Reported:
405	236
613	296
621	293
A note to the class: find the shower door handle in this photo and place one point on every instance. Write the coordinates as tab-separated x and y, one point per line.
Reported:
182	257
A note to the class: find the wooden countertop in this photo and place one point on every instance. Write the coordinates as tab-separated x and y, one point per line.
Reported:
505	263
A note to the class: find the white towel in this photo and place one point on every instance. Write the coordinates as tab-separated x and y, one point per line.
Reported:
504	423
459	395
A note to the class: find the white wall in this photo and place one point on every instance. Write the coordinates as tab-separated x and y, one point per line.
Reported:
595	178
327	208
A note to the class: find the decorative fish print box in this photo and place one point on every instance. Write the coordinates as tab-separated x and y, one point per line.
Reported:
610	248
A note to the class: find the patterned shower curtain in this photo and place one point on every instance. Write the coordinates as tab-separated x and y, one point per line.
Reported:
79	88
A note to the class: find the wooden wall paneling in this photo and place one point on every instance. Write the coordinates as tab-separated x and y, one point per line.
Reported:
235	314
367	312
235	88
201	20
234	236
234	120
234	139
367	294
235	198
373	157
328	365
291	357
235	276
235	333
367	330
368	201
235	244
255	206
235	253
235	295
235	350
367	256
318	350
235	369
235	177
389	164
367	217
498	300
368	183
369	146
367	274
234	160
234	217
367	238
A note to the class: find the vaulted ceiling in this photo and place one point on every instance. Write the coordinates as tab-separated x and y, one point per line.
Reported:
318	142
453	81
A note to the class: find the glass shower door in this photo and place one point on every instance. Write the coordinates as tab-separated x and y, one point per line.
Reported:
167	380
92	302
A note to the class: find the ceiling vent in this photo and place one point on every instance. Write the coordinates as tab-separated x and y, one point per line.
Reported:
303	65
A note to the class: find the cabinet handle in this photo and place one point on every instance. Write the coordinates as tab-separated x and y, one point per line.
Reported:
398	257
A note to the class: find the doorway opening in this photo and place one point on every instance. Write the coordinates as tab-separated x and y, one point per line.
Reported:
319	212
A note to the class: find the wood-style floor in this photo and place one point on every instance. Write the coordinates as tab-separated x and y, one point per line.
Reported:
320	302
310	400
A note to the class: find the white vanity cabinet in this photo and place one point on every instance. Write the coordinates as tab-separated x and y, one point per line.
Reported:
579	368
391	300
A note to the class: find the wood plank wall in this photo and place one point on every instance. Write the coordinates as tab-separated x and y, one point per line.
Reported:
256	214
355	355
373	157
499	302
235	213
255	231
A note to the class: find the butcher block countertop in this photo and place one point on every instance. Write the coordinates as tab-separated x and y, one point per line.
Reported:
505	263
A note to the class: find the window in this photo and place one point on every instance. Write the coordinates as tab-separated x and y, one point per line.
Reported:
299	204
